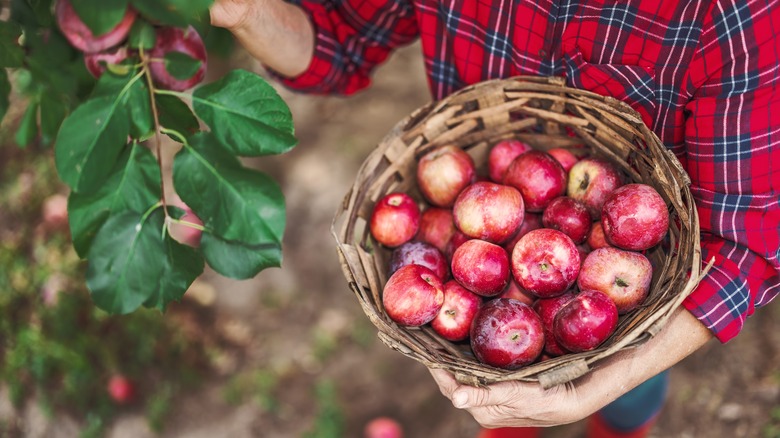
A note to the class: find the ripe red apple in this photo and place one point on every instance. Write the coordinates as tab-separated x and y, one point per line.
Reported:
120	389
183	232
547	308
81	37
569	216
383	427
545	262
538	176
515	292
436	227
395	219
565	157
443	172
507	334
481	267
174	39
596	238
531	221
489	211
453	321
624	276
591	180
585	322
96	62
501	154
420	253
635	217
455	242
413	295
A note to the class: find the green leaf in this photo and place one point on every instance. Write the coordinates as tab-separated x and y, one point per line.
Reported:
52	112
5	93
11	54
90	141
28	127
134	185
235	203
100	16
142	35
34	13
133	262
140	106
180	65
248	123
238	260
173	12
176	115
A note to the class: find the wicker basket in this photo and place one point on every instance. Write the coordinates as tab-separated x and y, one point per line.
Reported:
545	113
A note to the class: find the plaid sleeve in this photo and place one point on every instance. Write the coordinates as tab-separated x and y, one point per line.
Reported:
733	158
352	37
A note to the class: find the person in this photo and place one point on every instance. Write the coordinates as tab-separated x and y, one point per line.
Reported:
704	77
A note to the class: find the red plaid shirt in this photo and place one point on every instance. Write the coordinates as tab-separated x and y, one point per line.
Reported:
703	75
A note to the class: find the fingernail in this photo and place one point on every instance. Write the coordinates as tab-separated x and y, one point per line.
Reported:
459	399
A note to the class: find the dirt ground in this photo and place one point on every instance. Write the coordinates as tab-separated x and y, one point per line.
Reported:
302	328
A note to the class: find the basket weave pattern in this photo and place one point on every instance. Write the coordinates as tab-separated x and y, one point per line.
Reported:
544	113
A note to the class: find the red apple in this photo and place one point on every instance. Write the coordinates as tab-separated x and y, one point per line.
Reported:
635	217
174	39
488	211
395	219
481	267
569	216
420	253
507	334
436	227
413	295
81	37
455	242
443	172
383	427
531	221
515	292
624	276
538	176
596	238
96	62
453	321
121	389
585	322
565	157
183	232
545	262
591	180
501	154
547	308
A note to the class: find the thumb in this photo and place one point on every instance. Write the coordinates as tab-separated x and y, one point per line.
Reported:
466	397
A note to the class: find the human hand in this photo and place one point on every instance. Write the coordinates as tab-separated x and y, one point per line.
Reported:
232	14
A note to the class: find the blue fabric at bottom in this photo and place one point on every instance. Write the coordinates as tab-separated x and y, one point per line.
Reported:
637	406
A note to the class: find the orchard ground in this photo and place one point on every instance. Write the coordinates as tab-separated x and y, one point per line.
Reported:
301	358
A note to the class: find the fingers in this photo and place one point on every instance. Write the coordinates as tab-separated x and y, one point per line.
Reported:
446	381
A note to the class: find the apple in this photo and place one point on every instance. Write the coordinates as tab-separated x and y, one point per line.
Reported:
591	180
545	262
413	295
420	253
443	172
184	232
596	238
501	154
395	219
635	217
488	211
506	334
120	389
585	322
481	267
55	212
436	227
547	308
453	321
81	37
96	62
515	292
624	276
565	157
383	427
531	221
455	242
175	39
539	177
569	216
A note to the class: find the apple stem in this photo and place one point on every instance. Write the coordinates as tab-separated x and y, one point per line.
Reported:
543	266
450	312
145	60
585	181
620	282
